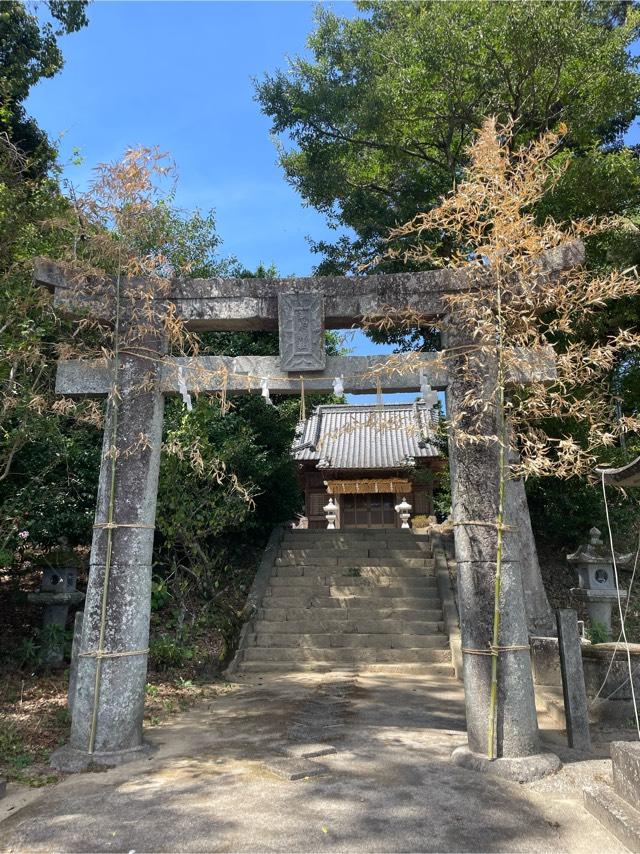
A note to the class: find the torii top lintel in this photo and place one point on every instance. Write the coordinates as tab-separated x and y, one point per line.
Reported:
252	304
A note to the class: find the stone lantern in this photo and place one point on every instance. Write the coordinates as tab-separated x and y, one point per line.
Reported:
596	578
330	511
404	511
57	592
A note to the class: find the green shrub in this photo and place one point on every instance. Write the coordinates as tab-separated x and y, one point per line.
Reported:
597	632
166	653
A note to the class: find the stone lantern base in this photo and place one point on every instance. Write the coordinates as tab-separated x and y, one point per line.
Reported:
599	604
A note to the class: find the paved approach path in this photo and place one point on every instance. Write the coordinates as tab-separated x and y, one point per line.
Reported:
389	787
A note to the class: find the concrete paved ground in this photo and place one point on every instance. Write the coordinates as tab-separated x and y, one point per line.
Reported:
389	787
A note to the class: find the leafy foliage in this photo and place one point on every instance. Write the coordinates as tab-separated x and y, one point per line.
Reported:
500	242
34	450
52	488
205	524
29	51
564	514
597	632
381	116
374	127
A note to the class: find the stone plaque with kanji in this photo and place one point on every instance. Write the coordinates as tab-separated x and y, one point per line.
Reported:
301	324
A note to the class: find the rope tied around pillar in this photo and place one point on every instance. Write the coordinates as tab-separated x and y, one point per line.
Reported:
100	653
484	524
111	526
496	650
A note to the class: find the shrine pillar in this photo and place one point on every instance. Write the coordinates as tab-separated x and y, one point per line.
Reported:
475	495
108	708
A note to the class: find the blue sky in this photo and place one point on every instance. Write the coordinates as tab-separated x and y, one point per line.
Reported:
179	75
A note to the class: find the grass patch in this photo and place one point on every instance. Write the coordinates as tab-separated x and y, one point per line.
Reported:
33	721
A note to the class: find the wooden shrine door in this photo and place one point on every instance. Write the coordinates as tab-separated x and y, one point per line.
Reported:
368	510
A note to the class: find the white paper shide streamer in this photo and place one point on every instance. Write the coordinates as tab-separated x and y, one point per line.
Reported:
264	385
182	388
429	396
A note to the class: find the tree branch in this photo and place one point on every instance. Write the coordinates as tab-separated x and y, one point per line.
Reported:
18	443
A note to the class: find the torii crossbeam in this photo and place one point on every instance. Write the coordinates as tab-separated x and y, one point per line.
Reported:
108	707
252	304
242	374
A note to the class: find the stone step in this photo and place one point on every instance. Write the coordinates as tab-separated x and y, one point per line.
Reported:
338	547
333	560
337	615
355	533
434	671
350	600
346	655
285	600
366	624
351	572
366	594
625	757
401	551
297	544
366	583
303	599
365	551
375	641
387	542
615	814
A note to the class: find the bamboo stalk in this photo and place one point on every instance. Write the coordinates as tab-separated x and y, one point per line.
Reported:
110	520
497	614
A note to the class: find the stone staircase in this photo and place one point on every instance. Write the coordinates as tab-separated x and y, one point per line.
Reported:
354	599
618	807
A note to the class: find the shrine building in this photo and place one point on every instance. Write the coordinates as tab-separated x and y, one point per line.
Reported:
368	458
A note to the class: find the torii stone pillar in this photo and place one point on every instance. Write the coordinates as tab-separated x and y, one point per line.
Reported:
474	481
109	701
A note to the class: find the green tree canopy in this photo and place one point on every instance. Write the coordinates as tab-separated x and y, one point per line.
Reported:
29	51
375	125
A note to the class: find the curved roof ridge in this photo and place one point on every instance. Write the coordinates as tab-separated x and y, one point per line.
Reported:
359	436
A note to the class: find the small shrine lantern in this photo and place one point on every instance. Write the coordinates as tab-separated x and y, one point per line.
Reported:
404	512
331	511
596	578
57	592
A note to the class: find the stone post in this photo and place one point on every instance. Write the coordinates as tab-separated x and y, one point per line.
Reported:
73	667
475	482
106	725
539	614
575	695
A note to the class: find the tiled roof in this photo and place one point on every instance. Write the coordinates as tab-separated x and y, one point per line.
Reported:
367	437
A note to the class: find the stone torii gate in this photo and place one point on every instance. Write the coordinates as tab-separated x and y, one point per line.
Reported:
108	708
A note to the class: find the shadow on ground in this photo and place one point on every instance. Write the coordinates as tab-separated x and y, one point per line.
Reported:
389	787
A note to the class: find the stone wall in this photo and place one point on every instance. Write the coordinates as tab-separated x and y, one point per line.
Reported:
613	688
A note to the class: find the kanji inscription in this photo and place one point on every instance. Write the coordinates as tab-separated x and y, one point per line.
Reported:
301	324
